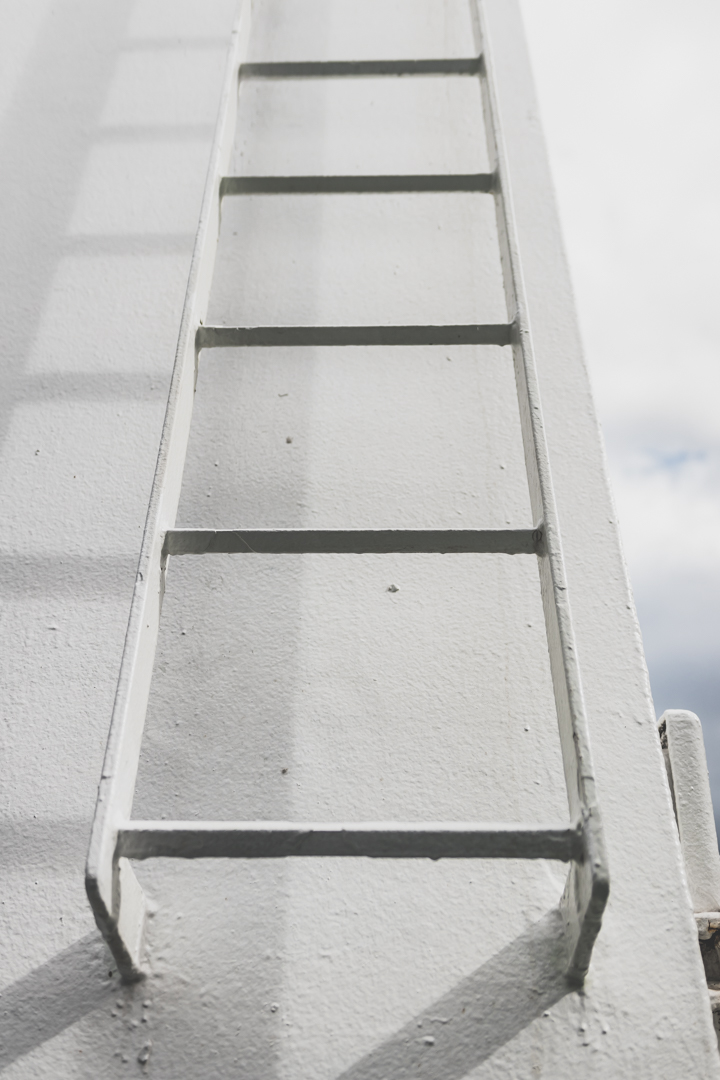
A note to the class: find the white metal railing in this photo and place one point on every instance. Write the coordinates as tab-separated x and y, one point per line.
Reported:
113	890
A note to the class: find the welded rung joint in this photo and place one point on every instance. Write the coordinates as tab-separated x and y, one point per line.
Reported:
353	541
339	69
358	185
226	337
383	840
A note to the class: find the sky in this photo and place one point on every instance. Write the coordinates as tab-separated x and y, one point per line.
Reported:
629	94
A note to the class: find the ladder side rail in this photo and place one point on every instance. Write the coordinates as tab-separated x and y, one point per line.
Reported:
588	882
106	878
534	446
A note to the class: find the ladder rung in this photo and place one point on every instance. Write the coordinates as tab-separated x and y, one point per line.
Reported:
332	185
338	69
224	337
384	840
351	541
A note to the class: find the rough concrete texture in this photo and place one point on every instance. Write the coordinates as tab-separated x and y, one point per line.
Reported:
305	687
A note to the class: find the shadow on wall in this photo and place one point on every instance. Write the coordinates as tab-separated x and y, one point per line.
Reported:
56	141
479	1015
450	1038
55	996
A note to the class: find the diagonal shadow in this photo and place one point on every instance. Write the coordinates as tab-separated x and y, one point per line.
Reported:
83	577
54	996
482	1013
46	135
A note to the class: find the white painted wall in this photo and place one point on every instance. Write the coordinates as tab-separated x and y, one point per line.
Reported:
289	687
617	125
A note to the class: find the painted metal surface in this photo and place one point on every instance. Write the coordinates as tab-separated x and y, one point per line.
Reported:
353	541
693	807
223	337
354	69
586	892
282	839
114	893
356	185
288	688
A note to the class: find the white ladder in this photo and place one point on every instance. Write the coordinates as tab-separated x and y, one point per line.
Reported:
114	892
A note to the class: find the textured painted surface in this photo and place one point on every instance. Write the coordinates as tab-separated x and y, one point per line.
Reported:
304	687
693	807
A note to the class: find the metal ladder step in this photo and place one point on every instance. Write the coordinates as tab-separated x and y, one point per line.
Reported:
113	890
352	541
355	185
365	839
358	69
231	337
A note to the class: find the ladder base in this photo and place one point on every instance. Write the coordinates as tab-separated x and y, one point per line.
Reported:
124	931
